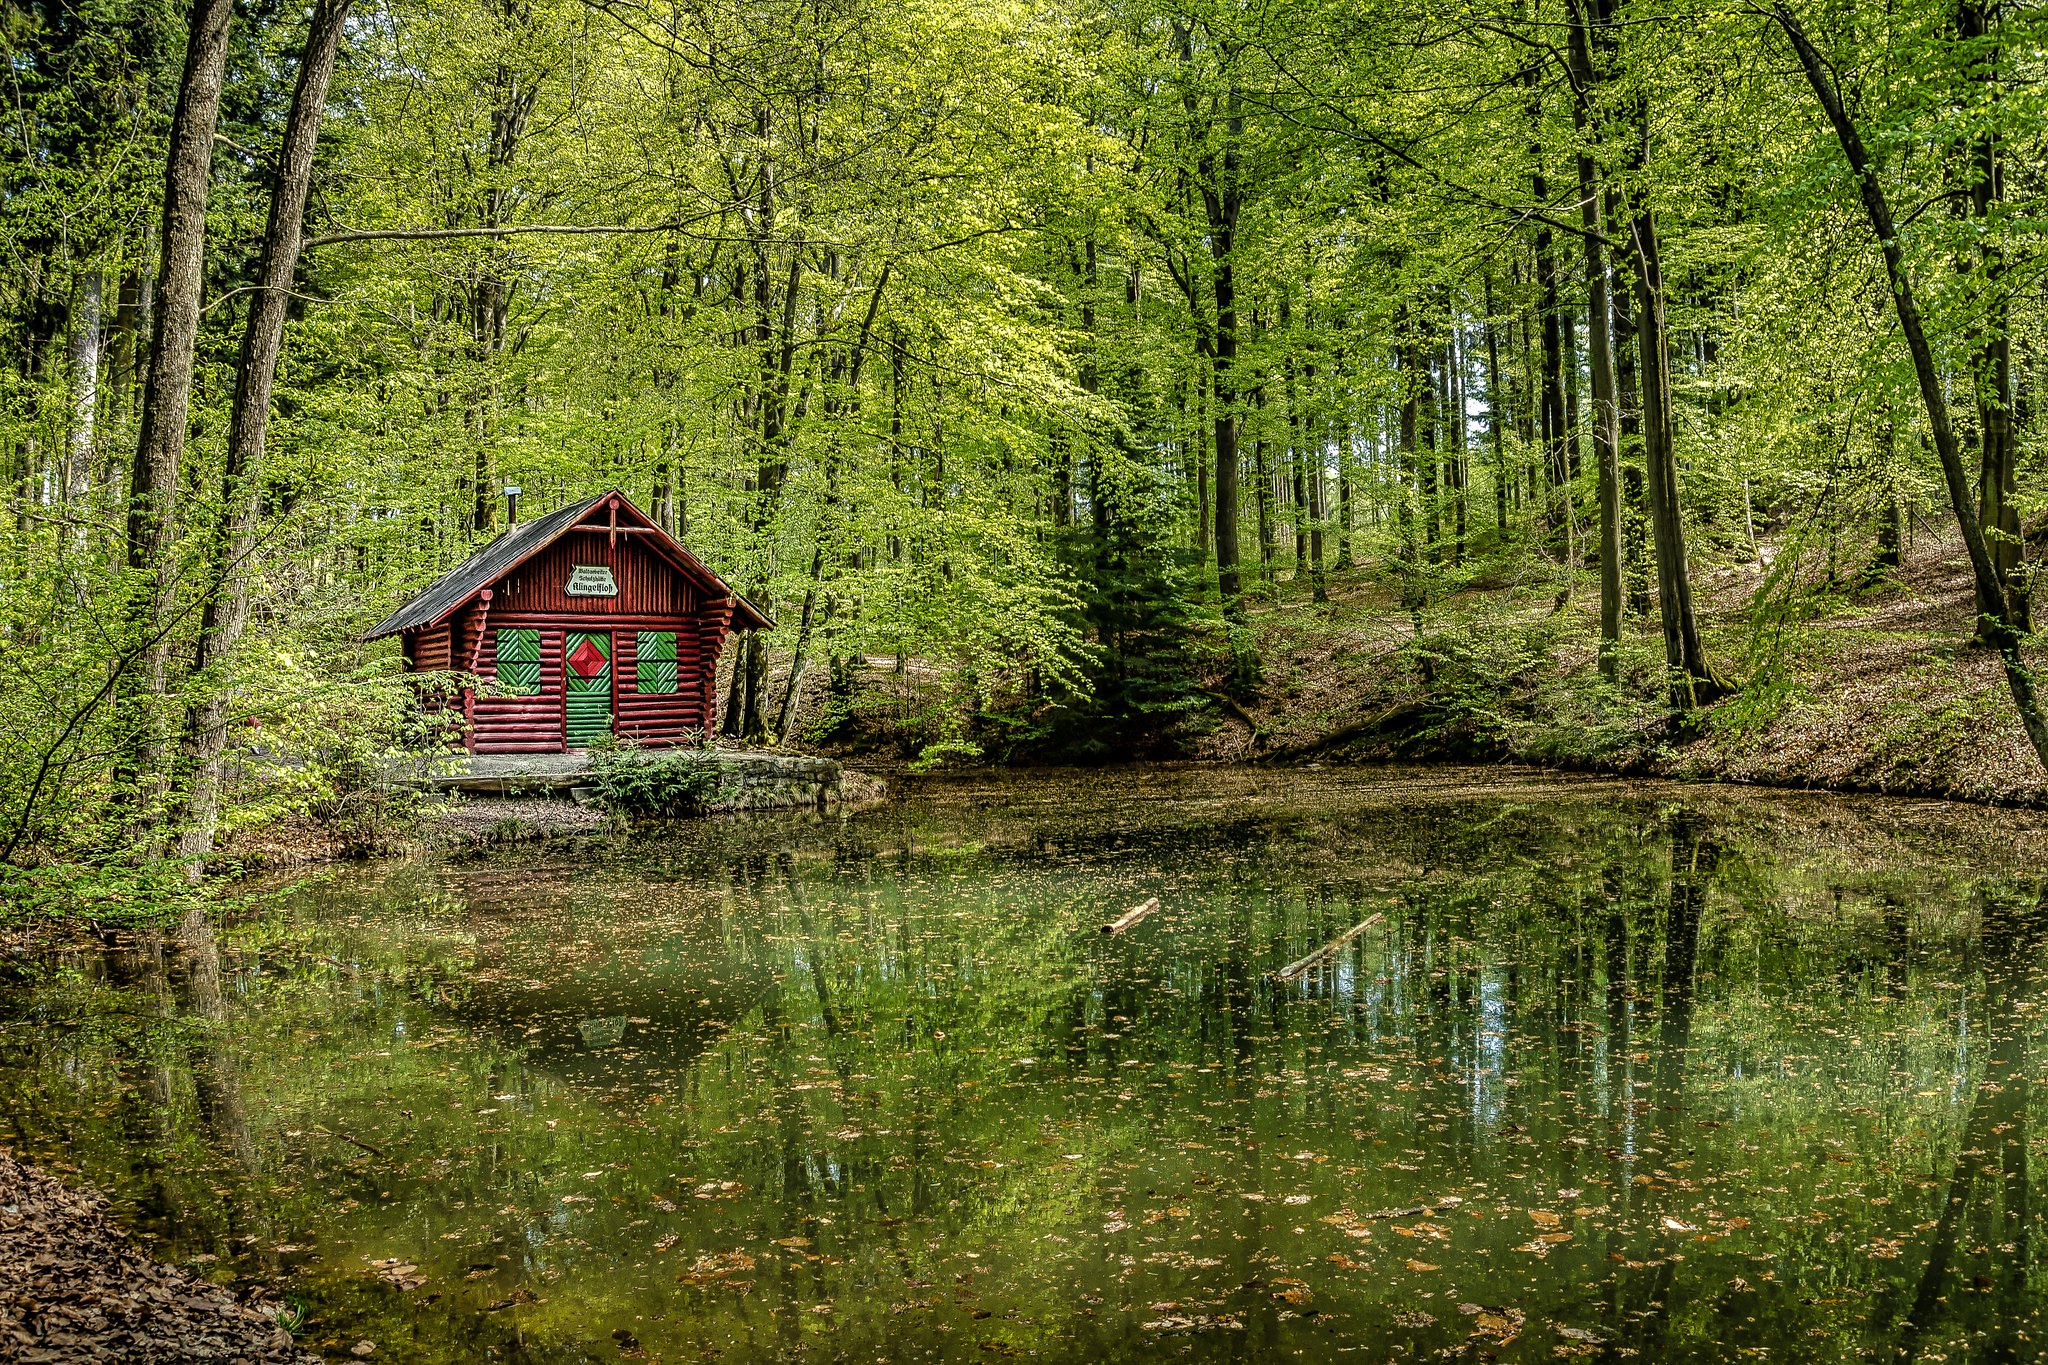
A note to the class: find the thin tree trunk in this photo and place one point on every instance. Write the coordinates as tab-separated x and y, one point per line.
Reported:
2007	640
1495	400
1297	460
1556	431
1991	350
226	613
793	694
1201	434
1599	313
1408	462
1629	410
124	350
84	360
736	687
1319	582
1889	530
1222	201
1263	493
1454	445
1347	465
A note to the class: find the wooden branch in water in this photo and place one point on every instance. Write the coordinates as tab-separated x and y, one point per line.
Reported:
1131	916
1294	970
355	1142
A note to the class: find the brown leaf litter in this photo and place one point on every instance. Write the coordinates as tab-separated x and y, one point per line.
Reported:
75	1289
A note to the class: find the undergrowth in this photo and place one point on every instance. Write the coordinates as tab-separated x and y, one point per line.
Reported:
638	785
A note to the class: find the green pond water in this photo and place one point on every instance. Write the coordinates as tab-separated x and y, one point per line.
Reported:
1614	1071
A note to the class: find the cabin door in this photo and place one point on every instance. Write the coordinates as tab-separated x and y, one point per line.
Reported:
587	660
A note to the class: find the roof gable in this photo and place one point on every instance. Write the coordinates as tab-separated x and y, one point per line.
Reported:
491	562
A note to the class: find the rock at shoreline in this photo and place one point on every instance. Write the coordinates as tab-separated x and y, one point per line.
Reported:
73	1288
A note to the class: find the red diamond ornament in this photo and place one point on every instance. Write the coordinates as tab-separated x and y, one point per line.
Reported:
587	659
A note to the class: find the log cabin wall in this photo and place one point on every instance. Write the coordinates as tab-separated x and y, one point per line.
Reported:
427	650
649	585
658	719
520	725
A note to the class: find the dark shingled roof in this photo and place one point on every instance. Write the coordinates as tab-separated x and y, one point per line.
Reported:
515	547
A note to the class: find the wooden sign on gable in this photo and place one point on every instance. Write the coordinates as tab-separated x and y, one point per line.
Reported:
591	580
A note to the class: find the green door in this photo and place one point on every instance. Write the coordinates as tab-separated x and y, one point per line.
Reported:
587	661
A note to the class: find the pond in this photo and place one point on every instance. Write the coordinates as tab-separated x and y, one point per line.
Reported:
1611	1070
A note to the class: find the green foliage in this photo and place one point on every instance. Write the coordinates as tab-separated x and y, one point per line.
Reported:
1476	679
640	784
1574	716
1754	709
111	894
1143	677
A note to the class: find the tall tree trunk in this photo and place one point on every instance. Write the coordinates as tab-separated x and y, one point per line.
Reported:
1347	465
84	357
1297	477
1496	399
1222	198
1635	513
1408	465
1890	530
1201	469
733	715
1262	501
226	614
1319	582
1460	470
792	695
1599	314
2005	638
1693	682
1556	431
1991	349
141	774
1297	459
124	350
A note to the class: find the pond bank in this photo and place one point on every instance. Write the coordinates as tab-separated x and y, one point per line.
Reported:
74	1288
1865	689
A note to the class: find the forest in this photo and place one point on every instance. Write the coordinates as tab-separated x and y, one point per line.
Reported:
1029	364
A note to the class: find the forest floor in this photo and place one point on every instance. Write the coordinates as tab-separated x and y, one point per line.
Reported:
1870	690
1845	687
75	1289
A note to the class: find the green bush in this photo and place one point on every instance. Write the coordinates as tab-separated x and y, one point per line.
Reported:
653	786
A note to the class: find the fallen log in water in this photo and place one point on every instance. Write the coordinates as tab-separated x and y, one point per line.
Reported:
1294	970
1131	916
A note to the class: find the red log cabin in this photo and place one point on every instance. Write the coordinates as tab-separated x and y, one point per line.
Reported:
587	622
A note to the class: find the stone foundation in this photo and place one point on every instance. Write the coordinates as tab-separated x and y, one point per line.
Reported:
749	779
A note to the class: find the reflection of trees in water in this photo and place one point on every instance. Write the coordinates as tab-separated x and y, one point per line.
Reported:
1640	1304
1509	999
1989	1193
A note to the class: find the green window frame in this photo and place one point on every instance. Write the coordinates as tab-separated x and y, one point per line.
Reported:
519	661
654	663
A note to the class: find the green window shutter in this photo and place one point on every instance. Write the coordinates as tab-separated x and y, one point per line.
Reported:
655	670
519	662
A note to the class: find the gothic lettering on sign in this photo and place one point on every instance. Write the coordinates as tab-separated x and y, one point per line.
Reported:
591	580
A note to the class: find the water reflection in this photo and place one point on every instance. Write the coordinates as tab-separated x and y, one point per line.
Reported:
1621	1073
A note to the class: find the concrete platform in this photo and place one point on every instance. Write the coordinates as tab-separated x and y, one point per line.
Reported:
751	779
